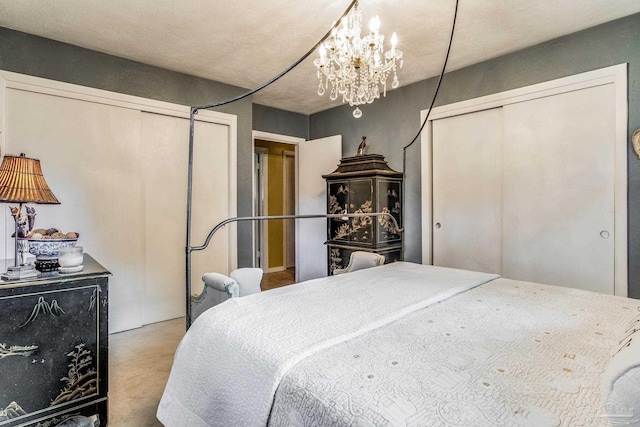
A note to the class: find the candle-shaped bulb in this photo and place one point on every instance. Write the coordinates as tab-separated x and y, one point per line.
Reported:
394	40
374	24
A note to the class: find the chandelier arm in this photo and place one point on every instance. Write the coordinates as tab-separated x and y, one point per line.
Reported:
291	67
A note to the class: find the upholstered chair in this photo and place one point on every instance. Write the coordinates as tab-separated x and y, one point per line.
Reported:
219	288
248	280
359	260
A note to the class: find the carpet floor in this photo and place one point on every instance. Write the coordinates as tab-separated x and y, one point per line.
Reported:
139	365
140	362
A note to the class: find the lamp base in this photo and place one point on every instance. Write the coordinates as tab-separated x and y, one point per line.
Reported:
20	272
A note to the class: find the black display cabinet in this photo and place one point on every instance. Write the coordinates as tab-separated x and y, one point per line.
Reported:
363	184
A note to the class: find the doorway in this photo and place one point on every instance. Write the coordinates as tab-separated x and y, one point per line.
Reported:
275	183
313	159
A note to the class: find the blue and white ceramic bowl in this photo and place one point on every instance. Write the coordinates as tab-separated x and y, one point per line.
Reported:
49	248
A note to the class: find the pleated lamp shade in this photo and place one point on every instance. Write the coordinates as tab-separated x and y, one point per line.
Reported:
21	181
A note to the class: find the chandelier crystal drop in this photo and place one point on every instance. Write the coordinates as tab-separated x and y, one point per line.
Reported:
356	67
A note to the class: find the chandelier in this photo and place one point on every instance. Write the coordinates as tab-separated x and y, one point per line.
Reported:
354	66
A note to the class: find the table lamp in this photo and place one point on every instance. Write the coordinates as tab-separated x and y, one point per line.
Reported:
21	181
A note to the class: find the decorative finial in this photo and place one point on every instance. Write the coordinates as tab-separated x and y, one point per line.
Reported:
362	148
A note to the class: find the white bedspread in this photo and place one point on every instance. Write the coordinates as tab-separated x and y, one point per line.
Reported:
229	364
507	353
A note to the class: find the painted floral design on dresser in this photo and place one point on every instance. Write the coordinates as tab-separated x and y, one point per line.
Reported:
82	378
57	329
72	420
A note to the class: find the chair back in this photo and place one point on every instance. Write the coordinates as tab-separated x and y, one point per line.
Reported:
249	280
360	260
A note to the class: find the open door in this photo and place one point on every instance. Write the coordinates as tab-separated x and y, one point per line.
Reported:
313	159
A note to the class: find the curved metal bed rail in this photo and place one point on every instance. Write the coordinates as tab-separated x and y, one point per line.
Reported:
189	249
261	218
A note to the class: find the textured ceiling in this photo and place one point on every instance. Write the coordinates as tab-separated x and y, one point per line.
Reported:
247	42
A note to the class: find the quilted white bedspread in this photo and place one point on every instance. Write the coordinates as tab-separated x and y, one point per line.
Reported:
506	353
229	364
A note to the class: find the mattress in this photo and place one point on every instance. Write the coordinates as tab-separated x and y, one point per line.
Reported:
401	344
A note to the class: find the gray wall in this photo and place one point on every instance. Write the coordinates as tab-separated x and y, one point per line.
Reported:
37	56
388	123
273	120
391	123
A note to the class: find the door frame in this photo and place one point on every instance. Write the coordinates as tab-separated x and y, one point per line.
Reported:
288	203
260	202
616	75
273	137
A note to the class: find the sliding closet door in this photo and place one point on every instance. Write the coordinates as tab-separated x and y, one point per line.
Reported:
121	177
564	199
165	143
90	157
467	197
559	189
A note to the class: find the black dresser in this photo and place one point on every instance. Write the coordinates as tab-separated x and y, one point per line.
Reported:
54	348
363	184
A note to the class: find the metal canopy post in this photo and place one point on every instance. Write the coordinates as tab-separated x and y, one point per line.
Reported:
192	120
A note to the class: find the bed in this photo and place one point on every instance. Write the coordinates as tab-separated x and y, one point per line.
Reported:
408	344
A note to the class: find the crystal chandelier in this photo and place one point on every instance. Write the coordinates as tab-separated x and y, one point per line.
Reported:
355	66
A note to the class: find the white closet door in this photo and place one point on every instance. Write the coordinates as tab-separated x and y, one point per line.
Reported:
165	144
90	156
467	197
559	189
120	176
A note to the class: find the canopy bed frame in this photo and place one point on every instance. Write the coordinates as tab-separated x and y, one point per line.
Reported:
404	344
194	111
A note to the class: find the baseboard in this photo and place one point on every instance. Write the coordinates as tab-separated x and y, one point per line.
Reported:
275	269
